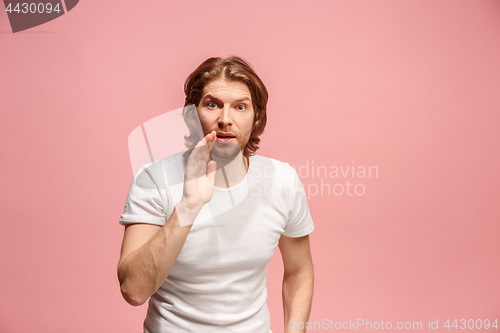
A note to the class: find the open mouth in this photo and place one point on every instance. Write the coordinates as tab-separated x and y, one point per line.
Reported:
225	137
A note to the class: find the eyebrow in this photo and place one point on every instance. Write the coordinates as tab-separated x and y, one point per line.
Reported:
208	96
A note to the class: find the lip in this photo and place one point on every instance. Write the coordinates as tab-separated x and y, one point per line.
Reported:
225	139
225	135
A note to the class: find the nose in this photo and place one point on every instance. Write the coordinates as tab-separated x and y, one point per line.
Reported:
225	117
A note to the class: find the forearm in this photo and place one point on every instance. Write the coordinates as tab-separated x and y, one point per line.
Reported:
297	298
143	271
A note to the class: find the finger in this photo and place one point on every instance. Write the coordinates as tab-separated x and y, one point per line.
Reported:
211	137
211	167
210	151
200	150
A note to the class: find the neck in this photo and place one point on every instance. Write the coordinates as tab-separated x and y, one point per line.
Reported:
230	172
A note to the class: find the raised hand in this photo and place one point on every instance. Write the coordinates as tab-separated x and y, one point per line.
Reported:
199	175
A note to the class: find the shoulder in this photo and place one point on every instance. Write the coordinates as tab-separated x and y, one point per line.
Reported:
259	161
152	173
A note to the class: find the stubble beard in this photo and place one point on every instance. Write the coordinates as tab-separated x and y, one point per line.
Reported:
225	151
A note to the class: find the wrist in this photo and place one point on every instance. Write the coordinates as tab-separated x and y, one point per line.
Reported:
186	213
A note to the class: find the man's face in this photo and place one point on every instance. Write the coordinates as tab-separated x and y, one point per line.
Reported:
226	107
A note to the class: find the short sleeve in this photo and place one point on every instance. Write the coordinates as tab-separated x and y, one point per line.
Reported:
299	221
147	199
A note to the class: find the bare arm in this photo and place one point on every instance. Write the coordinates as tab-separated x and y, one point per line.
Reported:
298	280
149	251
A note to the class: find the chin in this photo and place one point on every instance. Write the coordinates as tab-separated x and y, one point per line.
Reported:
225	150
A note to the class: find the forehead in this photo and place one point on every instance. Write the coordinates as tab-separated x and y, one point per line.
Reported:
223	88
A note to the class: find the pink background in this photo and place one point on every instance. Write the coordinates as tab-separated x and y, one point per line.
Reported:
407	86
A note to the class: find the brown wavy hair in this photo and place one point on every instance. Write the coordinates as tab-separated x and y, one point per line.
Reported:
233	68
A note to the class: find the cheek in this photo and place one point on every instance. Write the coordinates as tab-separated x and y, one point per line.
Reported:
249	131
206	119
249	121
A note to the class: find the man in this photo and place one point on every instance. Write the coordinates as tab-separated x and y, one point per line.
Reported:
200	250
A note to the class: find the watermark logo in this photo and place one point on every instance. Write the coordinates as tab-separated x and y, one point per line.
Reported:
336	180
25	15
169	152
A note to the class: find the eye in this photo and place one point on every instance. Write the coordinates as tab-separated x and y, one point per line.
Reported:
211	105
241	107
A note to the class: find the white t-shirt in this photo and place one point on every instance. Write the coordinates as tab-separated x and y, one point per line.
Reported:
218	282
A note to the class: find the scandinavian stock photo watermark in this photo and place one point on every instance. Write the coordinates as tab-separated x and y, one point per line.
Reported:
324	180
365	324
319	180
147	144
24	15
335	180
